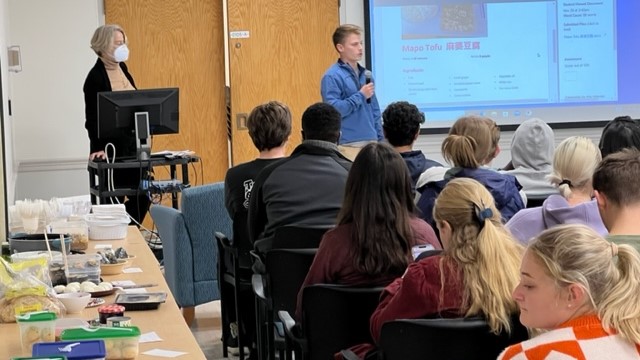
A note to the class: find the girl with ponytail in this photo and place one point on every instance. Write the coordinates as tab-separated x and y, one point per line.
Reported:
574	162
471	144
473	276
584	291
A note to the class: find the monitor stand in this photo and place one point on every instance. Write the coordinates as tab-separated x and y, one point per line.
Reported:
143	136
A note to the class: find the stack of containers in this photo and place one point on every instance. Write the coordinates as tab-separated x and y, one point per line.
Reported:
77	229
120	342
108	222
83	268
70	350
35	327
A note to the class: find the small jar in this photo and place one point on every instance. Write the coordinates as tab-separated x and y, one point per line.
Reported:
111	310
119	321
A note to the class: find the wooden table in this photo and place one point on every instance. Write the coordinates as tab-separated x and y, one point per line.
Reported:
167	321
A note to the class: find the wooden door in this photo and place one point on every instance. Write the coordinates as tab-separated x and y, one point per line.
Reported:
285	49
179	43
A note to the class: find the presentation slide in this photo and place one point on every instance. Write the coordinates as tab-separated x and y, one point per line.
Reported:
569	61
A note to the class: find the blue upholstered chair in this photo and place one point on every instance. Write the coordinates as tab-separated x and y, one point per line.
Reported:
189	249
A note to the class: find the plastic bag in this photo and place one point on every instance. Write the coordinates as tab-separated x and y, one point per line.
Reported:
22	292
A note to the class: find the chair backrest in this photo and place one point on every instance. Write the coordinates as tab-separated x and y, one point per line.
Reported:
296	237
204	213
336	317
286	270
204	209
241	239
535	200
446	339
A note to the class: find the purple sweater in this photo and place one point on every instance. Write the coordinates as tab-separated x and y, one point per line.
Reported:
528	223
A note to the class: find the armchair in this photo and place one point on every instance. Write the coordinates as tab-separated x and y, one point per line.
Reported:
190	257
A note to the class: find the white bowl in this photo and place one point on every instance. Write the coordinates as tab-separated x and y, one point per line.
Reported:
75	302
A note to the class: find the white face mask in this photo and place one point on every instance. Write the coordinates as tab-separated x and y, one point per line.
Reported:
121	53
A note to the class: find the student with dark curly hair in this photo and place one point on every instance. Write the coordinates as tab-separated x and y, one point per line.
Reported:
401	126
620	133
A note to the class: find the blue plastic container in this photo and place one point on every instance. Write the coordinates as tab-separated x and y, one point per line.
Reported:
85	350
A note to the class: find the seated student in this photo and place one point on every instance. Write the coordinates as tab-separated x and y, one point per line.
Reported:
470	145
269	127
475	274
401	126
584	291
494	149
377	225
574	162
620	133
306	189
616	184
532	149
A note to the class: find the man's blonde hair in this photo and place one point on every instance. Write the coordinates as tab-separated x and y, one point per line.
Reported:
343	31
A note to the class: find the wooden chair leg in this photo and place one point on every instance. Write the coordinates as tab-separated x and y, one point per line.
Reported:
189	313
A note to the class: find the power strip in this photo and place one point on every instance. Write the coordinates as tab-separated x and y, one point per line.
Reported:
161	186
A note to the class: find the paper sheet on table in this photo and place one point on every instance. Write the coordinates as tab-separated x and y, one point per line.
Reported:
132	270
164	353
103	246
149	337
135	291
123	283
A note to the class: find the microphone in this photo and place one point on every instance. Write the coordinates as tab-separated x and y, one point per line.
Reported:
367	76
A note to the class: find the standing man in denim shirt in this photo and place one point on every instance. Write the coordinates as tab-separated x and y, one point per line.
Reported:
349	88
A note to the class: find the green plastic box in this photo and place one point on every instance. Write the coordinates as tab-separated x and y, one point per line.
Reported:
120	342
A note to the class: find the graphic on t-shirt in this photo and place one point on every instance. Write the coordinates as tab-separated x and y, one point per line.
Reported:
248	185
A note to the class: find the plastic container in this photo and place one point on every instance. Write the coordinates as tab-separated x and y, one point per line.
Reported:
22	242
85	349
68	323
145	301
120	342
35	327
77	229
28	255
107	227
83	268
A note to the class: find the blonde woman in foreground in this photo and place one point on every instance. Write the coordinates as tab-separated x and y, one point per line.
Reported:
584	291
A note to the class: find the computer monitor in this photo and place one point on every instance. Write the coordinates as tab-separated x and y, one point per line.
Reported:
116	111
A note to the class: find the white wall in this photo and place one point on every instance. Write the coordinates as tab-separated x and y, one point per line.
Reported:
50	144
10	166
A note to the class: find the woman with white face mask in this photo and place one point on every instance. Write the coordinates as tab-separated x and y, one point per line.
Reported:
110	73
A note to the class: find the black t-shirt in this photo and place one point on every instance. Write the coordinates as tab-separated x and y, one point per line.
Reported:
238	184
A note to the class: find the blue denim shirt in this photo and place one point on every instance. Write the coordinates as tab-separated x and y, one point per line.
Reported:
360	120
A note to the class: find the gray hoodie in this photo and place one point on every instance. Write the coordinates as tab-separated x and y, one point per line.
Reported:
532	150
